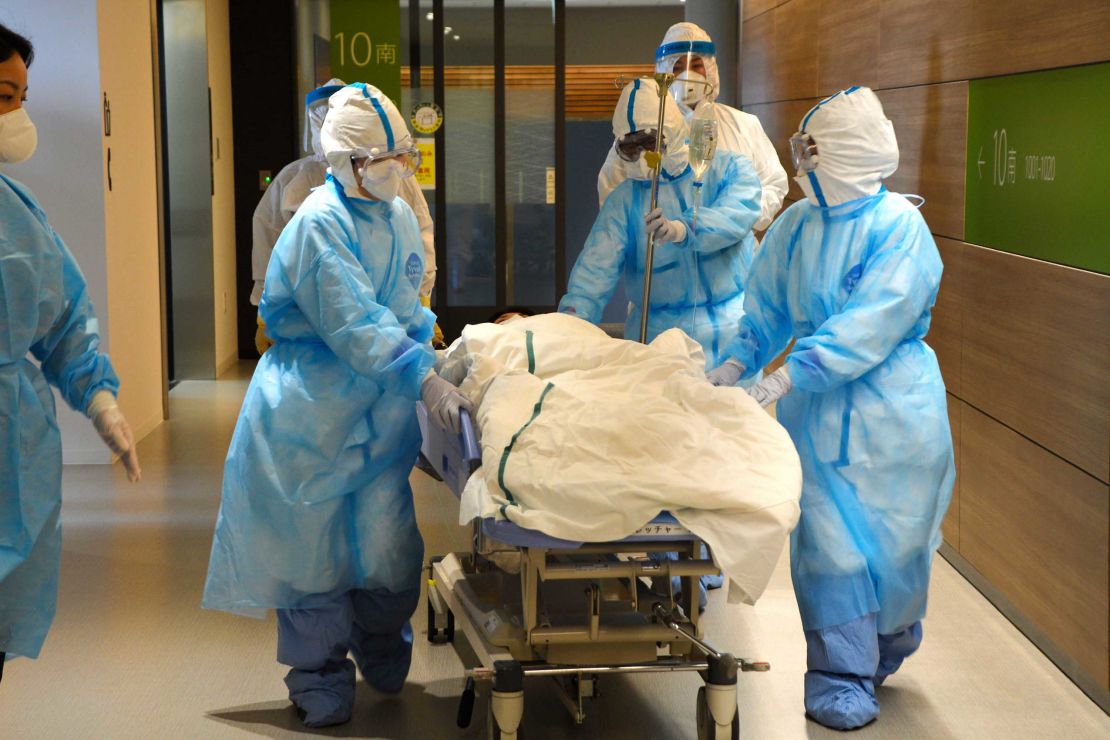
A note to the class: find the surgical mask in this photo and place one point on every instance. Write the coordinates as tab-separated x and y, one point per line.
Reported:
637	170
383	179
18	138
690	88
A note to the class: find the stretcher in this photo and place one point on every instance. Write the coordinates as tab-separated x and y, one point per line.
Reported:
531	606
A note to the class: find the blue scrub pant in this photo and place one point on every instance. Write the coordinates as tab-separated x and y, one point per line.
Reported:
314	641
846	662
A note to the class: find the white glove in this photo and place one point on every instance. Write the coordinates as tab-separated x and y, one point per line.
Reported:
115	431
663	228
725	375
772	388
444	402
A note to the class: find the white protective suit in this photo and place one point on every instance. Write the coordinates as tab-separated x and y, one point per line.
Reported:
588	438
297	179
738	132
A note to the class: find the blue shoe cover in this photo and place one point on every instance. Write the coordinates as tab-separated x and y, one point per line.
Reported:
893	649
384	660
325	697
713	582
839	701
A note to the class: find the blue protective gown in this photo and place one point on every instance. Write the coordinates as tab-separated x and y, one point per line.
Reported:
854	285
698	284
45	312
316	501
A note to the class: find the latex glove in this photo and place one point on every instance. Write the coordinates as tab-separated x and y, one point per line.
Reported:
444	402
725	375
115	431
772	388
663	228
261	341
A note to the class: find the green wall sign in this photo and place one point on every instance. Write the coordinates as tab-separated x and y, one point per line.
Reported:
1038	165
366	43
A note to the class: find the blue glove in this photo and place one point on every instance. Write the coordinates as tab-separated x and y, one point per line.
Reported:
725	375
772	388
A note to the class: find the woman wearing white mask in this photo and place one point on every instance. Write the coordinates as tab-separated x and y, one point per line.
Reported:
45	313
316	519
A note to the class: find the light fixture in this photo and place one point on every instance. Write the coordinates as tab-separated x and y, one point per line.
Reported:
456	37
446	30
430	16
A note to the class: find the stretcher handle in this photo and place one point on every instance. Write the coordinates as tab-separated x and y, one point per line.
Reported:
472	456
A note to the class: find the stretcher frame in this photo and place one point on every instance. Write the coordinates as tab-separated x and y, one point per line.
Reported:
618	625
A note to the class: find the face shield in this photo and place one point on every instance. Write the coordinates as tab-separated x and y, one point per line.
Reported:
315	108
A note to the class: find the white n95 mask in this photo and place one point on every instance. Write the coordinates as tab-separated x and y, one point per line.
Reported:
690	88
382	179
18	137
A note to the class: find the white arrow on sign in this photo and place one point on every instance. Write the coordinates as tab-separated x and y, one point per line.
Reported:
981	163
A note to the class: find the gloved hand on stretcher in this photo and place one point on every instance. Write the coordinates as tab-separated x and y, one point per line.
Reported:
444	402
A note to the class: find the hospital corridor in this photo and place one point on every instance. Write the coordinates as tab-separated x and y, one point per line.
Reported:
525	369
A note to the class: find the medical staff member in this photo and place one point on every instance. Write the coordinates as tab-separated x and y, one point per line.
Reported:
851	274
317	518
698	274
293	184
688	52
45	313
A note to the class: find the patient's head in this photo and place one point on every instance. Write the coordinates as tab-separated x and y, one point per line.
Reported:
508	313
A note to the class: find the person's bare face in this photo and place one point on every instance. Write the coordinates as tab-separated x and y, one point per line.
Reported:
696	65
13	84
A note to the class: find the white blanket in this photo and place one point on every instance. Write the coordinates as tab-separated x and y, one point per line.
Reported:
588	438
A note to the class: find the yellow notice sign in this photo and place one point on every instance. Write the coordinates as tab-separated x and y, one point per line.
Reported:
426	175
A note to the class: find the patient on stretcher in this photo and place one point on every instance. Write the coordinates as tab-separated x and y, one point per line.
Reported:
587	438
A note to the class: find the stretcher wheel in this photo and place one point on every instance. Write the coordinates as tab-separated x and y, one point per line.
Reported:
707	729
436	635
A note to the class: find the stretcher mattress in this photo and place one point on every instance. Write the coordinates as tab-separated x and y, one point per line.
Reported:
588	438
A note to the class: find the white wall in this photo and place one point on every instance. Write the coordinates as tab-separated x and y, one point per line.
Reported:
66	172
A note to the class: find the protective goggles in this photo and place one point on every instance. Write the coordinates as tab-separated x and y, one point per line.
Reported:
630	146
408	157
803	152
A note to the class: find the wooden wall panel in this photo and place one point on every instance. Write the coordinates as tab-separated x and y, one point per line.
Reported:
1037	355
931	125
757	59
752	8
950	528
946	40
794	69
1038	528
922	42
848	45
946	331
